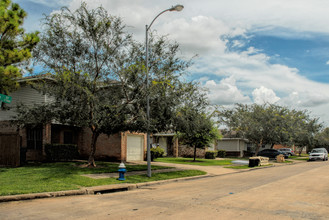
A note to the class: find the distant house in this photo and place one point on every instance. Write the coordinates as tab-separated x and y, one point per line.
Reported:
236	147
123	146
173	148
167	142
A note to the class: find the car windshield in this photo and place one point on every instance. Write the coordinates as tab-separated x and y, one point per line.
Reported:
317	151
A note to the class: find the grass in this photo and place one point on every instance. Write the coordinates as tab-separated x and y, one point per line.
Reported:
50	177
285	161
201	162
302	157
239	167
296	156
305	158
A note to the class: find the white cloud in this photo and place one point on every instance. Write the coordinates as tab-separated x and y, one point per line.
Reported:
57	3
264	95
327	62
225	92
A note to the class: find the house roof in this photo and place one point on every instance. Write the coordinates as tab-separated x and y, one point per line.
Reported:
50	77
230	139
164	134
36	78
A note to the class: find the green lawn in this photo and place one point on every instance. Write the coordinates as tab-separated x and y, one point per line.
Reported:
50	177
303	157
202	162
239	167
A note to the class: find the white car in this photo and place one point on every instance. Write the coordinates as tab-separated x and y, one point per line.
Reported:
318	154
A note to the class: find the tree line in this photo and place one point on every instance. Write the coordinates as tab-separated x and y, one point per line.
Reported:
270	124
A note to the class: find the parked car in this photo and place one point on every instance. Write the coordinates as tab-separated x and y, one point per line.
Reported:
272	153
289	151
318	154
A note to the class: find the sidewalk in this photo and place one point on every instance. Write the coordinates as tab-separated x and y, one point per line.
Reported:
211	170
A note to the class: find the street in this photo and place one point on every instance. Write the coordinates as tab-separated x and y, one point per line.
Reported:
298	191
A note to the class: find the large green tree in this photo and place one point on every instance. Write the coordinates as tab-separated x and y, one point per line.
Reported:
97	76
167	89
305	130
81	51
269	124
15	45
195	127
322	138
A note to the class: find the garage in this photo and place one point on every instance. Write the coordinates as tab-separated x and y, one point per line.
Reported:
135	147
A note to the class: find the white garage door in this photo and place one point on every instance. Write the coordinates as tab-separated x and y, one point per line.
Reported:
135	144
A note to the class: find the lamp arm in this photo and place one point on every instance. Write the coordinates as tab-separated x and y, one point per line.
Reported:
157	17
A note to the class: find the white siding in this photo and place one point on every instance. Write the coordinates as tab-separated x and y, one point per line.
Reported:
26	95
232	145
228	145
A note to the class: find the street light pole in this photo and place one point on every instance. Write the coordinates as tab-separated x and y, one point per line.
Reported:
148	142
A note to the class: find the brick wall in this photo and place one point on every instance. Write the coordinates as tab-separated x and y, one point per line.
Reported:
185	151
107	148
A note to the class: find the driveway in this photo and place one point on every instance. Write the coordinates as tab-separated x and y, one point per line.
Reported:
297	191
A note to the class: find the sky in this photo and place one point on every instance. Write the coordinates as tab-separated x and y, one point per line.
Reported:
248	51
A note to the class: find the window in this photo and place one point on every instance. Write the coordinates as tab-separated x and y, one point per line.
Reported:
68	137
34	138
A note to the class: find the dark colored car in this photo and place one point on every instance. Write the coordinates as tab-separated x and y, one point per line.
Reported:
272	153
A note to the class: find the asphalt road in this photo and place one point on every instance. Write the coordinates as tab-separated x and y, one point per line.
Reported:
299	191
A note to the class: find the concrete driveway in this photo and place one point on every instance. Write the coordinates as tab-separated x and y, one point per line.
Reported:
297	191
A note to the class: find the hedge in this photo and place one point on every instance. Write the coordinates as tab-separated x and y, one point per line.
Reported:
157	152
60	152
221	153
211	154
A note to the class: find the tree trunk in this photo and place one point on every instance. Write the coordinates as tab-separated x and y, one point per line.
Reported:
194	153
257	148
300	150
91	160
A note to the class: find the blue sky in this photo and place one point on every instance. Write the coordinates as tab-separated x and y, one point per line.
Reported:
249	51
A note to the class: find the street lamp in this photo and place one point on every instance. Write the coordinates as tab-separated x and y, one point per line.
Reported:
147	28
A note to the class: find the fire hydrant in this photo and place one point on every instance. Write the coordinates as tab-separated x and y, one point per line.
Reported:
122	170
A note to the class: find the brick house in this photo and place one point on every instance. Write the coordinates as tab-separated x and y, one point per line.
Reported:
124	146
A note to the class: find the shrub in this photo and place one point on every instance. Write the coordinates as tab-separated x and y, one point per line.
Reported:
157	152
221	153
211	154
58	152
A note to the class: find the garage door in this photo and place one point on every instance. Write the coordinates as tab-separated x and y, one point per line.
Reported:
135	144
